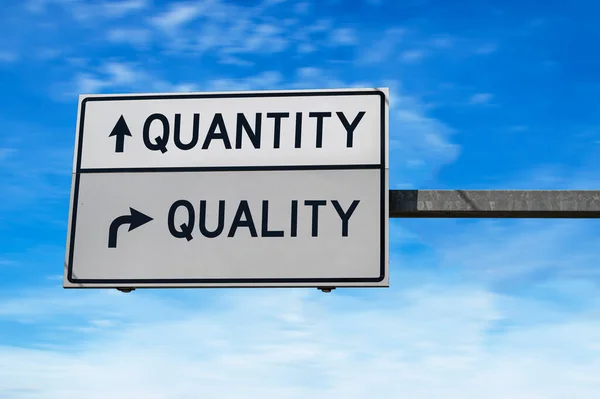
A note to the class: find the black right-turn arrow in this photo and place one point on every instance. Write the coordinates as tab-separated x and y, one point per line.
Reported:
135	219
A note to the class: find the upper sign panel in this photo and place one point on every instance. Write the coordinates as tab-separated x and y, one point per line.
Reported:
244	129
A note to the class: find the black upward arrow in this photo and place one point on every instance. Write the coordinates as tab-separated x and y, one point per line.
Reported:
135	219
120	131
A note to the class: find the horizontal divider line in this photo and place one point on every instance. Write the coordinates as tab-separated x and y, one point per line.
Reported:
230	168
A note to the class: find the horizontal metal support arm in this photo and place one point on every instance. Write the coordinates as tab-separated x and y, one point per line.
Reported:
494	204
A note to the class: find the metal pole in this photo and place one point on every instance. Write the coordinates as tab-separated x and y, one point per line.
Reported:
572	204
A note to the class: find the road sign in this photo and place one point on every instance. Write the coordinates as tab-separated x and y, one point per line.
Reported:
258	189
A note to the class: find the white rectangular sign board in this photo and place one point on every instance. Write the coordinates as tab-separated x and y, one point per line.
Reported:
239	189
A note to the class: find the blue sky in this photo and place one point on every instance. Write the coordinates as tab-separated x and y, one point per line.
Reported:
489	94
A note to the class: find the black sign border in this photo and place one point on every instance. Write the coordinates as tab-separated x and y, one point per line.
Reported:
298	282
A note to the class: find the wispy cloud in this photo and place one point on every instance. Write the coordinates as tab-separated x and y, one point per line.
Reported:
123	7
49	53
34	179
178	15
442	41
273	2
519	128
344	37
383	48
213	30
82	10
132	36
413	55
302	7
229	59
501	252
420	141
6	152
264	80
7	57
7	262
481	98
295	344
262	38
35	6
487	48
109	76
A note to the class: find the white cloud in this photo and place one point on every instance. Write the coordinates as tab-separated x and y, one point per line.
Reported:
90	84
136	37
228	59
49	53
33	177
313	35
310	73
481	98
537	22
264	80
253	31
129	77
77	62
273	2
207	27
179	14
516	251
305	48
121	73
413	55
425	136
262	37
123	7
343	37
169	87
6	152
35	6
422	143
316	78
442	41
382	49
519	128
486	49
7	57
420	342
319	26
557	176
84	11
302	7
108	76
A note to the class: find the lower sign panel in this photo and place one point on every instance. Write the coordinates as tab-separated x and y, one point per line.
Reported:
214	229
